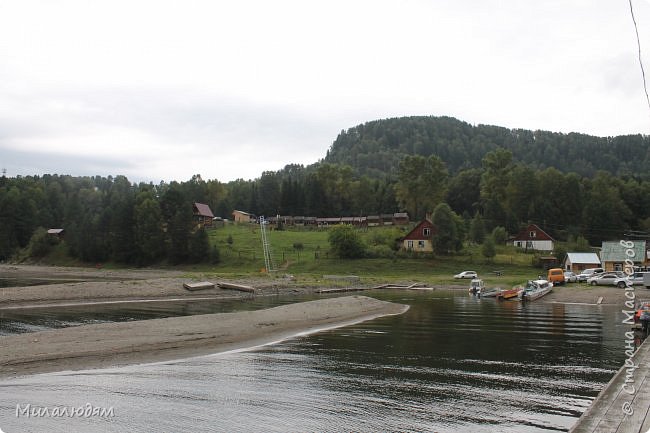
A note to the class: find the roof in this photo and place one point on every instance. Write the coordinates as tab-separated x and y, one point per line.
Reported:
55	231
241	212
615	252
583	258
541	235
203	210
418	231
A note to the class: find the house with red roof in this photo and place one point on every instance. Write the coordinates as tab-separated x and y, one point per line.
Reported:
420	238
534	238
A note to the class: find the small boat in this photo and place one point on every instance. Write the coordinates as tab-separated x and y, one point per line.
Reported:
490	293
476	286
535	289
509	294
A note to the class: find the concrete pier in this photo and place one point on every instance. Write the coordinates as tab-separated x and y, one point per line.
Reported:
624	405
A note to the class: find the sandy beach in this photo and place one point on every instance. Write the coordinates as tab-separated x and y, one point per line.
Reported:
114	344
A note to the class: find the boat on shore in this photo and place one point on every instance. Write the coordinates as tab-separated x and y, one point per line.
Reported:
476	285
490	293
509	294
535	289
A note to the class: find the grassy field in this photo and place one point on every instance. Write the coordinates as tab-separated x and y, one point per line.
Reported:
305	253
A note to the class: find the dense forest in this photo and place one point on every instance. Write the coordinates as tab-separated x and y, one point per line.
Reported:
571	185
375	148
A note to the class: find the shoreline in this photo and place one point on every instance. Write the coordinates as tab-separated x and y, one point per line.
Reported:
158	340
101	287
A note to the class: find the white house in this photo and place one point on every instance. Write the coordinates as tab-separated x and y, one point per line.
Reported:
534	238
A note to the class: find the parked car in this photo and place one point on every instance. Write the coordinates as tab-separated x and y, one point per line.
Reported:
556	276
570	277
635	279
605	279
588	273
466	274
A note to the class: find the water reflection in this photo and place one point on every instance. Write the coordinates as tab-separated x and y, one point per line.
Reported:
450	364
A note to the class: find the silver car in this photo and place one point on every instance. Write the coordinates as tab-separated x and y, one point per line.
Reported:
605	279
635	279
570	277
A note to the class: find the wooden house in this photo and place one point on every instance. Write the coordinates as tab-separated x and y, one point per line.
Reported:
374	221
203	215
578	262
400	218
420	238
613	255
59	233
239	216
534	238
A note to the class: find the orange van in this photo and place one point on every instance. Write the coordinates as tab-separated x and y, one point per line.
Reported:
556	276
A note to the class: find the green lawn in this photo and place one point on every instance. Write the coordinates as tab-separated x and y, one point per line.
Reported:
244	256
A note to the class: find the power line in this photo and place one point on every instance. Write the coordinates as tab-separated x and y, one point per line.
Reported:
638	43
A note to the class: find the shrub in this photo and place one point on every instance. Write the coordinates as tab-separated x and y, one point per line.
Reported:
345	242
41	243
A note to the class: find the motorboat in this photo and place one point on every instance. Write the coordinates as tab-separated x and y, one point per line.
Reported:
535	289
476	285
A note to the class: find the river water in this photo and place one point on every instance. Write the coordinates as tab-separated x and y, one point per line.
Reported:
452	363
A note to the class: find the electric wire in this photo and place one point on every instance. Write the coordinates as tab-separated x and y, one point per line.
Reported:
638	43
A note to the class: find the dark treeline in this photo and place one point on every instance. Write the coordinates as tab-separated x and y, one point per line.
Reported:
515	183
375	148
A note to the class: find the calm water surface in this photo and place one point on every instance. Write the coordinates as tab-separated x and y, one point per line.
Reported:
452	363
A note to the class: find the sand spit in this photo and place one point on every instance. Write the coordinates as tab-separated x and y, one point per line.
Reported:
114	344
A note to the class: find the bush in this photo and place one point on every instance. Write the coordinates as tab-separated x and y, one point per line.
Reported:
381	252
41	243
345	242
499	235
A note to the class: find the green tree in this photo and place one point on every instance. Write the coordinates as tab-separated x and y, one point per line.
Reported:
494	181
446	238
499	235
477	229
41	243
421	184
148	230
489	249
199	246
345	242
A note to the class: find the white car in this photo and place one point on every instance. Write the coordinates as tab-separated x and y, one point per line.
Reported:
466	274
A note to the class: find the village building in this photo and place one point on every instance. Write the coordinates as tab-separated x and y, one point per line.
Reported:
239	216
534	238
203	215
59	233
420	238
578	262
613	254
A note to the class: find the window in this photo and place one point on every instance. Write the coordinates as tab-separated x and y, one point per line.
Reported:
409	245
532	234
420	244
426	232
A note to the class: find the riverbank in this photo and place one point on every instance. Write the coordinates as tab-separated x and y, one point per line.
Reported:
87	285
123	343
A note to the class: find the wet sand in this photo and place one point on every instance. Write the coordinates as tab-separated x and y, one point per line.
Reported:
123	343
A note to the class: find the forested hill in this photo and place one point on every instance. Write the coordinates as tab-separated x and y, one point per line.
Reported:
375	148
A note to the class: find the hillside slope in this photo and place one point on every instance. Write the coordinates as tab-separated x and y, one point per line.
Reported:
375	148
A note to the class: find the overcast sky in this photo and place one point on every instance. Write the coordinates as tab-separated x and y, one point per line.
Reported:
162	90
